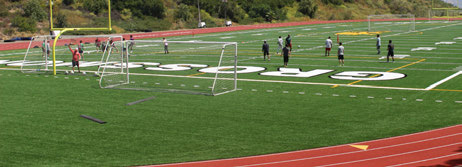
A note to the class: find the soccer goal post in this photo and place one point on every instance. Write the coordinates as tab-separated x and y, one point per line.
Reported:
38	55
391	23
193	67
92	49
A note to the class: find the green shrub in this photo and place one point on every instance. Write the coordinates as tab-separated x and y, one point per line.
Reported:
126	14
24	24
61	21
141	8
33	10
335	2
95	6
68	2
308	7
183	13
144	24
3	9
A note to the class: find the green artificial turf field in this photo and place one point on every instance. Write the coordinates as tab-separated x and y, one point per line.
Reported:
40	123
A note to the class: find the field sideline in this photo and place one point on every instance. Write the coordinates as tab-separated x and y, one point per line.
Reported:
268	114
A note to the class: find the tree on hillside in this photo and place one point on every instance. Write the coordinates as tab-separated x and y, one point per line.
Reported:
95	6
183	13
308	7
33	10
141	8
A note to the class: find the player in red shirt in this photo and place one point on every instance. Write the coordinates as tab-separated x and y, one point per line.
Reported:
75	57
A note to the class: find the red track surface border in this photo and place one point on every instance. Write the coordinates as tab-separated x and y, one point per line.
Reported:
439	148
25	44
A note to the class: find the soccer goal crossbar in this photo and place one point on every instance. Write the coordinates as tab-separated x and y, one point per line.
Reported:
391	22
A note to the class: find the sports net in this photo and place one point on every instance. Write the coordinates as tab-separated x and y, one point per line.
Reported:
38	55
392	23
92	48
196	67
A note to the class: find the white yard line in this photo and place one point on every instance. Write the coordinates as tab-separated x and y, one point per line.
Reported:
268	81
443	81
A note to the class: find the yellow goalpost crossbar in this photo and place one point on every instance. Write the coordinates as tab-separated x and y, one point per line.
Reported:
63	30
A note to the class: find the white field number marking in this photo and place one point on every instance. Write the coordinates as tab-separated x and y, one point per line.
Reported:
365	75
423	48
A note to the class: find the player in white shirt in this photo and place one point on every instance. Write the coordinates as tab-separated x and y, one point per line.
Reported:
379	43
165	46
341	51
280	44
328	46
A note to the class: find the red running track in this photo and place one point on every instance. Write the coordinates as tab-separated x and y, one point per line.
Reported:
158	34
438	148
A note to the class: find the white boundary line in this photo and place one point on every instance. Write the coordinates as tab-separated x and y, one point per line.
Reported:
393	155
270	81
425	160
352	152
443	81
314	149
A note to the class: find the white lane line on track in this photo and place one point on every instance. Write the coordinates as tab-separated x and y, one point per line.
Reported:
413	162
315	149
392	155
331	155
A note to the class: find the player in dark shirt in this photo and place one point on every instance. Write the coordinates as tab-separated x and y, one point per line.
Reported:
265	49
286	53
391	51
289	42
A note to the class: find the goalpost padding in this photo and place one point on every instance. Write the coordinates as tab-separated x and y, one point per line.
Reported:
148	67
391	22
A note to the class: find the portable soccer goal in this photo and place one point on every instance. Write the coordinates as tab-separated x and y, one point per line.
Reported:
391	22
196	67
38	57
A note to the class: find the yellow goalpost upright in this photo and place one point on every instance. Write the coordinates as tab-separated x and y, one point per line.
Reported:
453	5
65	29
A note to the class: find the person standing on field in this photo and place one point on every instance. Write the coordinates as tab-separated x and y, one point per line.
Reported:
165	46
379	43
98	44
391	51
341	51
81	47
46	49
328	46
132	43
286	53
265	49
75	57
280	45
289	42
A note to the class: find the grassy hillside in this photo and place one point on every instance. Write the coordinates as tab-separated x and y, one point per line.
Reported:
27	17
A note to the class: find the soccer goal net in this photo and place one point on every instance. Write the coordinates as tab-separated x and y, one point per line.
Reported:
92	49
391	22
196	67
38	55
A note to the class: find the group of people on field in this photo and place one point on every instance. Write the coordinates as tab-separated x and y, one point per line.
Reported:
284	49
78	53
287	49
127	49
